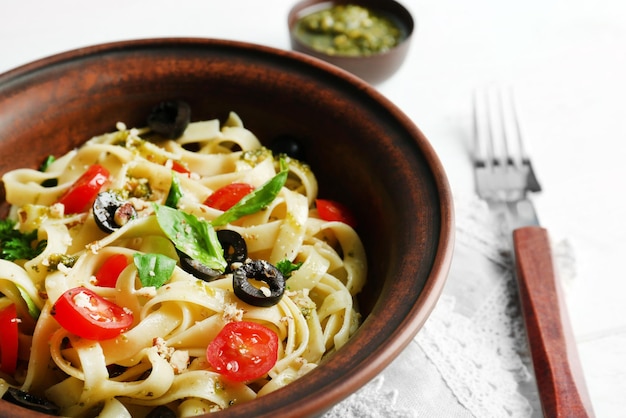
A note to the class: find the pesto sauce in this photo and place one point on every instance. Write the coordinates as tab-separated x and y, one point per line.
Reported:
348	30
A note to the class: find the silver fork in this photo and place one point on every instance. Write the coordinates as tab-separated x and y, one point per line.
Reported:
504	177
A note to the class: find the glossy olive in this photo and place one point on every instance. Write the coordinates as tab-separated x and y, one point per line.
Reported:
111	212
198	269
235	251
50	182
170	118
234	246
262	271
289	145
161	411
32	402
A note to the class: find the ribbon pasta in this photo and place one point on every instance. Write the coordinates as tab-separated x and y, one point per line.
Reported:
161	359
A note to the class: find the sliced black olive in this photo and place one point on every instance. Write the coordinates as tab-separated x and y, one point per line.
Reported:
234	246
50	182
262	271
32	402
287	144
116	370
170	118
111	212
235	251
195	267
161	411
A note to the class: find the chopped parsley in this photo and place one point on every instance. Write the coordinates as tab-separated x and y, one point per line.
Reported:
15	245
286	267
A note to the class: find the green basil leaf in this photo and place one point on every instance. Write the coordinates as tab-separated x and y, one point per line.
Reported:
154	269
175	192
256	200
193	236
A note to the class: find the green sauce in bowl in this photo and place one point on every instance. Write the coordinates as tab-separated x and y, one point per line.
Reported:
348	30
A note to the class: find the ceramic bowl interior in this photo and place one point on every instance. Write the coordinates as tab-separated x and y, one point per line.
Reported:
363	149
374	68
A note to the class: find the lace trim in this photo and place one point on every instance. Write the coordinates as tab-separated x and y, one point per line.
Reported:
374	400
475	336
480	356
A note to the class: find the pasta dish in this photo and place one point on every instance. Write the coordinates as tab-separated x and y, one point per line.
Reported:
145	274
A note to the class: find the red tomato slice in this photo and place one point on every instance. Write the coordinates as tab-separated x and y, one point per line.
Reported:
243	351
330	210
9	341
179	168
226	197
107	274
89	315
83	192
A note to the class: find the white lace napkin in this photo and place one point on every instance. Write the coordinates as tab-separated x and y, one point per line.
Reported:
470	359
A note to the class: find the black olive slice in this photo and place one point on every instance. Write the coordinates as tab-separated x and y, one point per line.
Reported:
198	269
262	271
50	182
111	212
116	370
170	118
234	246
289	145
32	402
235	251
161	411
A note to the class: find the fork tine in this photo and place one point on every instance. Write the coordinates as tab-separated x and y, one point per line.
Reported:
502	166
483	143
490	134
524	159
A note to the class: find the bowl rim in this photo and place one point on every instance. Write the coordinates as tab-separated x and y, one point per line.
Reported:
429	295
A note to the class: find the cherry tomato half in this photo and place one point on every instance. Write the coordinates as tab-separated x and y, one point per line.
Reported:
83	192
89	315
226	197
330	210
9	341
243	351
107	274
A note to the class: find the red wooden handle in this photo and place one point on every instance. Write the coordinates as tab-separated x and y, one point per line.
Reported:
559	375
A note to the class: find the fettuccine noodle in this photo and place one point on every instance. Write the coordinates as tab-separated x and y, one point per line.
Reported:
161	359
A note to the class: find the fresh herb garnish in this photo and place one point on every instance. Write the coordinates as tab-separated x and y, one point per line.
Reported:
256	200
197	238
192	236
46	163
15	245
33	310
154	269
286	267
175	192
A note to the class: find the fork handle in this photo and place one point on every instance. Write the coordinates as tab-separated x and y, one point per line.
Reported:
557	367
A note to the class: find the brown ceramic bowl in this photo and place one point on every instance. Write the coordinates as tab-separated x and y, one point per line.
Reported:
362	148
374	68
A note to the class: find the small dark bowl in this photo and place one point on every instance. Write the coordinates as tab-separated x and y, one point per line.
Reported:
363	149
374	68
